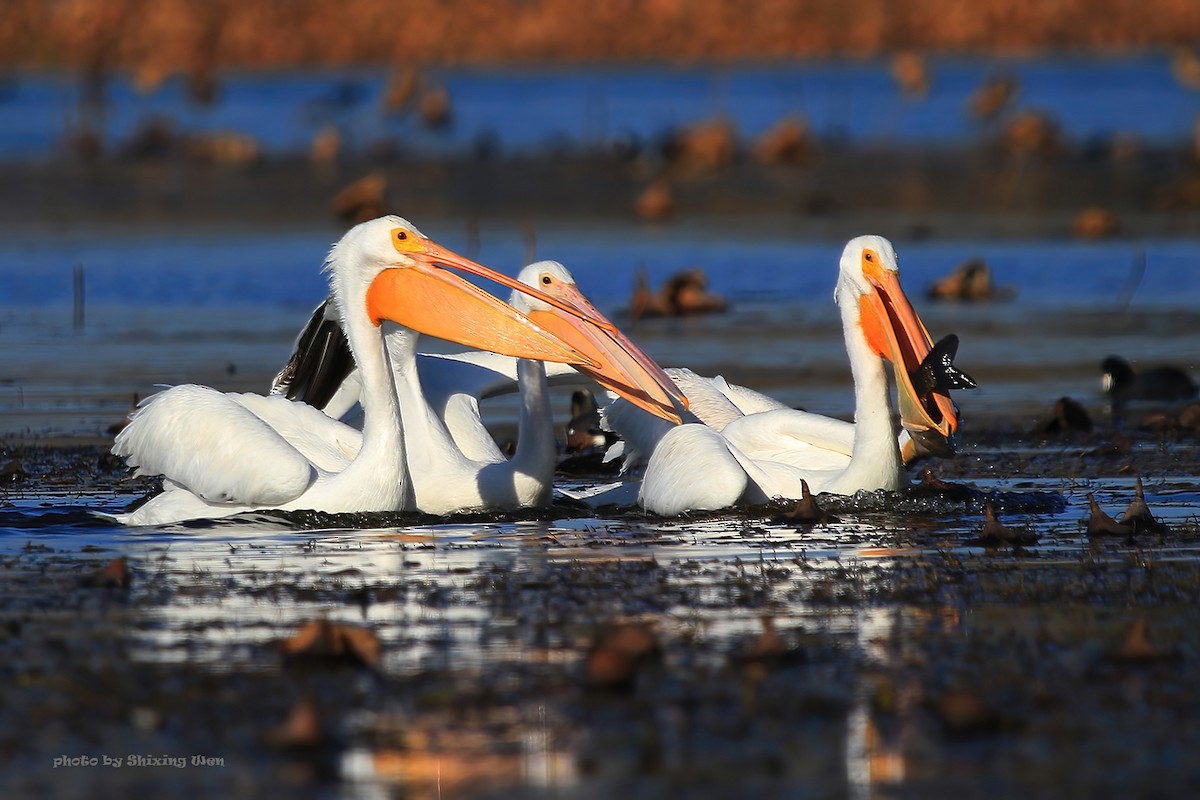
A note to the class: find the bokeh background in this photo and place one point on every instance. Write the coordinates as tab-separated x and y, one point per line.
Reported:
172	172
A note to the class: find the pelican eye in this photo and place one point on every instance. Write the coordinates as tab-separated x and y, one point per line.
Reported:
869	256
404	241
547	280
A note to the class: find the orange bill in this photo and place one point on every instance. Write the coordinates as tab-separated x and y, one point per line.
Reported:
433	253
616	362
895	332
438	303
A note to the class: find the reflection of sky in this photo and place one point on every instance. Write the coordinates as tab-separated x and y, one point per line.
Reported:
519	110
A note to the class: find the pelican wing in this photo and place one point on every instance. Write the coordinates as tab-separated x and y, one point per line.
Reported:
748	401
707	397
641	431
480	374
214	446
320	363
808	441
324	441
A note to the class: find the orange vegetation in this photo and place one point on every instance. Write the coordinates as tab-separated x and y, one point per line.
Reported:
156	37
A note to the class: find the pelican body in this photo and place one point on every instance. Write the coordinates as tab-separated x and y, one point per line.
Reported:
743	447
220	454
453	463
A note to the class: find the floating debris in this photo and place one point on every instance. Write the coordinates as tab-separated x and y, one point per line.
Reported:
114	575
992	96
994	533
963	712
910	71
617	654
362	200
1136	646
436	108
1101	524
807	511
301	729
656	203
1033	133
788	141
703	147
325	641
1096	223
1138	514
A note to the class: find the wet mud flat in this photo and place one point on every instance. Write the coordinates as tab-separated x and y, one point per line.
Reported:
575	653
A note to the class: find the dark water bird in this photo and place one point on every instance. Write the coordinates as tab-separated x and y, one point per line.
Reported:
994	533
1069	416
13	471
1138	514
684	294
970	281
807	511
1163	384
584	431
932	484
1101	524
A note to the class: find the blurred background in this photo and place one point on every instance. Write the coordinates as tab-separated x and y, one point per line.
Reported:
172	173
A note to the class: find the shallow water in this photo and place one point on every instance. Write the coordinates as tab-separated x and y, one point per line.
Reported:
223	308
485	682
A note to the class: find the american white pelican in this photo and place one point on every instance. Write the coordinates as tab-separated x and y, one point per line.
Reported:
453	461
752	449
223	453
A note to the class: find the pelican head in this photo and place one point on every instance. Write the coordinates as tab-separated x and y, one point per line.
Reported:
403	276
893	331
613	360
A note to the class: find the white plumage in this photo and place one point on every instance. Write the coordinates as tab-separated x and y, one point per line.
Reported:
222	453
744	447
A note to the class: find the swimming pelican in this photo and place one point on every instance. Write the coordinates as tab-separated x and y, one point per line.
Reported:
747	448
453	461
222	453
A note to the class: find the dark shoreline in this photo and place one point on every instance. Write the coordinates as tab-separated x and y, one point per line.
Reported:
974	192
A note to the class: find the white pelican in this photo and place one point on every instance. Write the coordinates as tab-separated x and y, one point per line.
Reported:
753	449
223	453
453	461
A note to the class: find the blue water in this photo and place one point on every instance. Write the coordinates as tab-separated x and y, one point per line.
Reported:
521	110
281	269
